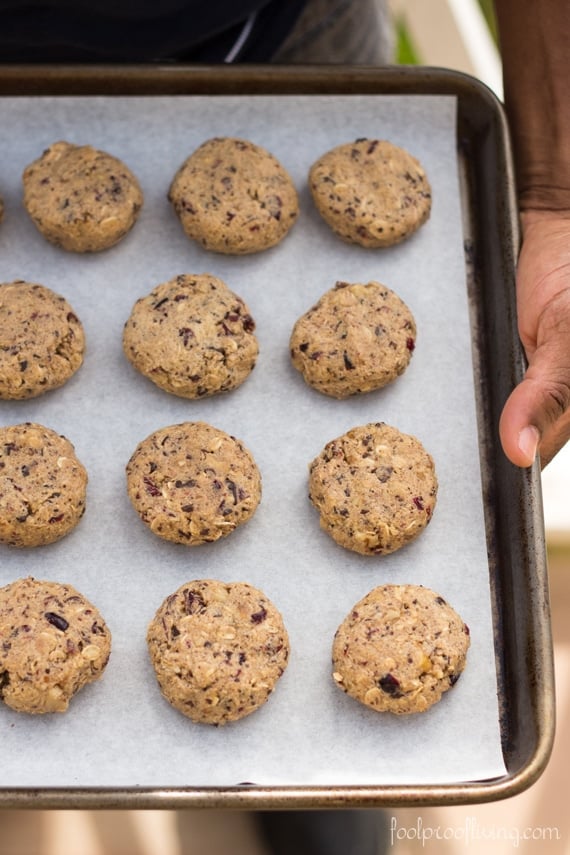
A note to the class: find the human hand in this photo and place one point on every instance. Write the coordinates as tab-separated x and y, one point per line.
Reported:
536	416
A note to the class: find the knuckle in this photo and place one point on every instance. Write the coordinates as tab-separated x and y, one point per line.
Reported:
557	395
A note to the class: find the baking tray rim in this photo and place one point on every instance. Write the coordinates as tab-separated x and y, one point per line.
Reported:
481	120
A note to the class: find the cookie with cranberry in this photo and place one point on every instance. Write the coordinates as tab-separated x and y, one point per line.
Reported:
80	198
358	337
42	486
218	650
192	483
234	197
192	337
42	341
371	192
400	649
374	487
53	642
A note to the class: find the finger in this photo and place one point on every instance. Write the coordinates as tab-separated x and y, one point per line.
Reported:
554	439
536	410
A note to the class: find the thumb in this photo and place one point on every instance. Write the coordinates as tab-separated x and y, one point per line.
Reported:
536	416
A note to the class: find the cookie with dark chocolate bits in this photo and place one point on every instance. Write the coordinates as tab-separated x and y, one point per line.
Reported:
218	650
400	649
53	642
42	341
192	483
80	198
42	486
192	337
374	487
234	197
357	338
371	192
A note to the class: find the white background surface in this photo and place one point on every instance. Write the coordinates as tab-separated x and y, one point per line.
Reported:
556	499
120	731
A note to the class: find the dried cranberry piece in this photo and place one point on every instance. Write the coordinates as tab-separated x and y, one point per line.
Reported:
259	617
56	620
193	602
151	487
391	685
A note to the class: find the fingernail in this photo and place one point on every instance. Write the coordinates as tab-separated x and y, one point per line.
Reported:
529	437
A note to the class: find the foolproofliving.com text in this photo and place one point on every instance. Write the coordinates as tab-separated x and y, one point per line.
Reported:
470	832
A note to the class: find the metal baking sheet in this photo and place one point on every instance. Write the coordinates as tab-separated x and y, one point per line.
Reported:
127	572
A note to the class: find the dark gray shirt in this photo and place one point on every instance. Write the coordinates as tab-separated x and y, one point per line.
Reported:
144	30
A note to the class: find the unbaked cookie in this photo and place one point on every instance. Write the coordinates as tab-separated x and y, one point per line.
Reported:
374	487
355	339
399	649
42	486
41	340
192	483
371	192
192	336
234	197
80	198
218	650
53	641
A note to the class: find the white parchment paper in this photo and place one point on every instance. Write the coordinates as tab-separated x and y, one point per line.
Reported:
120	731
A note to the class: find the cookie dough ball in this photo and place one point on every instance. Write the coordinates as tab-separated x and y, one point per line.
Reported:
81	199
192	483
42	486
371	192
218	650
374	487
41	340
53	641
399	649
192	336
355	339
234	197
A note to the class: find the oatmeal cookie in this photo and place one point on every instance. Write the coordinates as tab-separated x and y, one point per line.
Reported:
53	641
80	198
234	197
192	337
399	649
217	649
41	340
192	483
371	192
42	486
355	339
375	488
